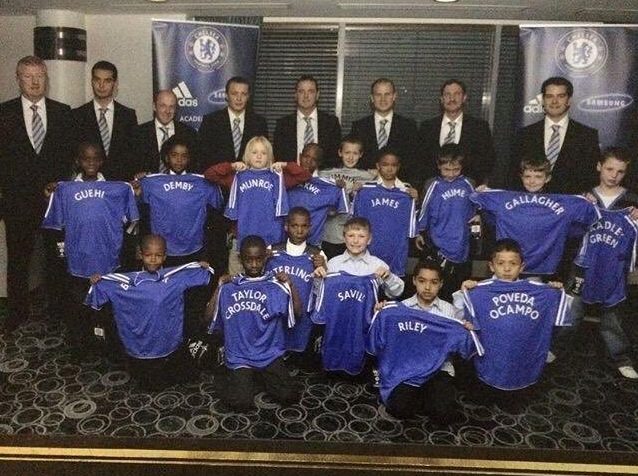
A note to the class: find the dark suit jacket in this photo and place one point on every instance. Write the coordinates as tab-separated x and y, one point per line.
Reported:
119	161
285	140
23	173
216	137
147	153
402	139
575	168
475	141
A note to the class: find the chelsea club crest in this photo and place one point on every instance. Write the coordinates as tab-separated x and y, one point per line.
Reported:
206	49
581	52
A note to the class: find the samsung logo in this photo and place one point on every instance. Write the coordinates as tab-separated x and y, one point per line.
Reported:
606	102
217	97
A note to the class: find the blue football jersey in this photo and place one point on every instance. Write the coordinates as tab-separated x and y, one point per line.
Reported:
392	216
411	345
253	314
92	215
258	201
149	307
300	269
178	207
515	321
609	254
345	304
540	223
318	196
445	213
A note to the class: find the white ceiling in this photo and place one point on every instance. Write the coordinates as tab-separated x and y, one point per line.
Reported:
609	11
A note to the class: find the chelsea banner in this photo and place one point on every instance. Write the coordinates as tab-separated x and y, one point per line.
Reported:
602	64
195	60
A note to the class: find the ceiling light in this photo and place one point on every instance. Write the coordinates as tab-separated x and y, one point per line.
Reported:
446	1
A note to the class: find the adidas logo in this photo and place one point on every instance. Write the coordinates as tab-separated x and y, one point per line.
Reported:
184	96
534	105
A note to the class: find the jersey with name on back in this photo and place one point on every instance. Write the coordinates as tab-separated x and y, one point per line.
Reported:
149	307
258	201
540	223
345	304
411	345
253	313
608	253
392	216
318	196
445	213
92	215
515	320
300	269
178	208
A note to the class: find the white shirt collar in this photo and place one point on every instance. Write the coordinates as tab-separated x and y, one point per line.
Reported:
26	103
100	178
295	250
312	115
232	115
170	126
171	172
458	120
109	107
562	123
378	117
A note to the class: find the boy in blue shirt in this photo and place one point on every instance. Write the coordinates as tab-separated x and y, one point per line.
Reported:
148	306
446	213
89	214
515	319
252	310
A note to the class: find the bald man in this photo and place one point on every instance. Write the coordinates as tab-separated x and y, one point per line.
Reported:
152	134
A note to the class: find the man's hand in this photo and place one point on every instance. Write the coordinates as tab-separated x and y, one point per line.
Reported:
555	284
419	242
50	188
412	192
468	284
204	264
95	278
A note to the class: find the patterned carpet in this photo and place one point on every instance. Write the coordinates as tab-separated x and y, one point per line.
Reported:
581	403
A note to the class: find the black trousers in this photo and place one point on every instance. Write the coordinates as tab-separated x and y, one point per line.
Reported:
275	379
333	249
21	234
434	398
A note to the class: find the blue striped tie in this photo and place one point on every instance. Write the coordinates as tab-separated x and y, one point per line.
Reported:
382	140
236	136
37	129
553	147
104	130
308	134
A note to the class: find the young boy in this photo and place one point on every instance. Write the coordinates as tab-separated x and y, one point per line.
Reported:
179	203
350	152
148	306
319	196
535	174
92	213
541	223
249	309
389	205
412	342
607	255
302	262
515	319
347	296
445	217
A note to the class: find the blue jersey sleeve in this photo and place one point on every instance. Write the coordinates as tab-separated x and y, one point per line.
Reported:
97	295
54	215
132	213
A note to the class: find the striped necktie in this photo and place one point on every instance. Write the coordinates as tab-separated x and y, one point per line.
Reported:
104	130
553	146
37	129
451	135
236	136
162	166
382	138
308	134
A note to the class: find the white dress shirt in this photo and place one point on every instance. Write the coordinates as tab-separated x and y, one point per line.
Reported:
110	112
445	128
159	135
561	132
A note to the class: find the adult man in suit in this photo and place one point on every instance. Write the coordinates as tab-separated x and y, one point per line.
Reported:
224	134
386	128
150	136
107	122
36	145
571	147
453	126
307	124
